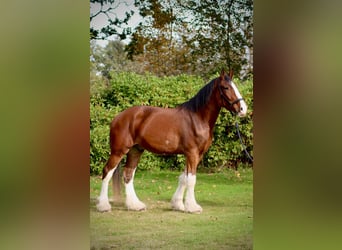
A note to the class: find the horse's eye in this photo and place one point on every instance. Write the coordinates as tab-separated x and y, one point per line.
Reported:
226	88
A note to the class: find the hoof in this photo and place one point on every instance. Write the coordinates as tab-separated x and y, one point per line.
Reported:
195	212
194	209
138	206
103	206
177	205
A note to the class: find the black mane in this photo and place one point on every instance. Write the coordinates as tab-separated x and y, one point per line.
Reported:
200	99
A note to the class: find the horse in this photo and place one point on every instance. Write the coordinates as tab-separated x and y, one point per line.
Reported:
186	129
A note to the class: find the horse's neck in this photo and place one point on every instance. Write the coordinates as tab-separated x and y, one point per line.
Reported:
210	113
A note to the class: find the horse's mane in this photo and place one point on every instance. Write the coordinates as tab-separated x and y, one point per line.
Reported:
200	99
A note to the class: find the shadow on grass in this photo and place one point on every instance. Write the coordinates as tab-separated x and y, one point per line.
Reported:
212	203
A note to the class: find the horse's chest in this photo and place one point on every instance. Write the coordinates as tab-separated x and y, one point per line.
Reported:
203	138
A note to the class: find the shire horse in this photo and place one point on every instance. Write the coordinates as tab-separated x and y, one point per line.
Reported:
186	129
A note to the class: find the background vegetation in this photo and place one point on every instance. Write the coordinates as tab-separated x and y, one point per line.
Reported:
125	89
175	36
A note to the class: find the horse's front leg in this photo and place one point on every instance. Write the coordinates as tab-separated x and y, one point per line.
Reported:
177	198
191	205
187	181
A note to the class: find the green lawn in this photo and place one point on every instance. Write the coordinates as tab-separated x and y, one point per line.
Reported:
226	221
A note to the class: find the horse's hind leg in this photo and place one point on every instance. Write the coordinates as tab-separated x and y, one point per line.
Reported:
133	157
107	173
116	181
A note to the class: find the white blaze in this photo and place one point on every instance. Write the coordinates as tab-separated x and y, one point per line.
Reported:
243	105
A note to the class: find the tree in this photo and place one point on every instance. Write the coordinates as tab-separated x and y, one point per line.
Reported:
195	36
107	8
223	32
157	43
109	59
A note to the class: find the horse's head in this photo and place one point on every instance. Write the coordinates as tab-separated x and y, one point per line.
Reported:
231	98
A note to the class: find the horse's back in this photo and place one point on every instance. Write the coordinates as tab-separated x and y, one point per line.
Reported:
132	117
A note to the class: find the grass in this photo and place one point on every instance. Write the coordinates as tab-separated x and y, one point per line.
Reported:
225	223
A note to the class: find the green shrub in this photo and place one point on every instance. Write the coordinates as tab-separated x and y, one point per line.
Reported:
128	89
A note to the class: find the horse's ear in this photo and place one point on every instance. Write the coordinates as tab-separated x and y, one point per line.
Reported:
222	73
231	73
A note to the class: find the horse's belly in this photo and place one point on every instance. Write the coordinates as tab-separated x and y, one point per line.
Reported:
161	143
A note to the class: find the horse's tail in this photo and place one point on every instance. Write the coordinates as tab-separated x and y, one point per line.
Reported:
116	181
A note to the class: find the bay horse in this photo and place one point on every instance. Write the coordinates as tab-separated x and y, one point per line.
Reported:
186	129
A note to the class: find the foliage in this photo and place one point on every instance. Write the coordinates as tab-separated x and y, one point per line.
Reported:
176	36
223	33
115	26
129	89
193	36
158	42
109	59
